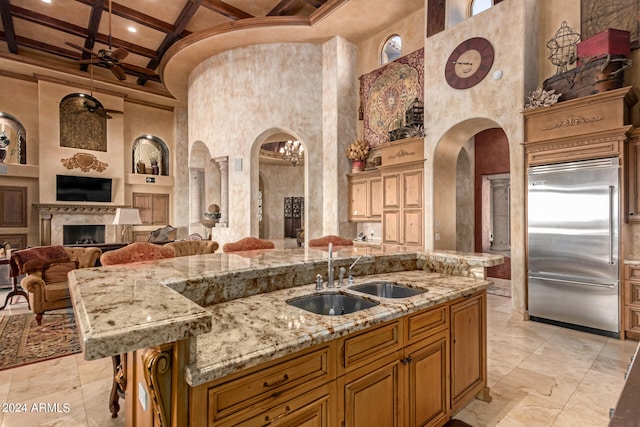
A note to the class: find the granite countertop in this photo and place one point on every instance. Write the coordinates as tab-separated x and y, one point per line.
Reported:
128	307
257	329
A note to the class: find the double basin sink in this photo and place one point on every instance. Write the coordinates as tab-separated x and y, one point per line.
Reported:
339	303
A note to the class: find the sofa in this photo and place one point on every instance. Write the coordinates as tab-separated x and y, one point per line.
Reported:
193	247
46	269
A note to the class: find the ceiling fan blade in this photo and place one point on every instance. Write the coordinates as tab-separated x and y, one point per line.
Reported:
138	69
118	72
82	48
119	54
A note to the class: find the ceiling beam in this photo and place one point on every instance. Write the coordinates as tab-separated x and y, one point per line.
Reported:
226	9
135	16
283	8
47	21
92	29
315	3
178	27
7	25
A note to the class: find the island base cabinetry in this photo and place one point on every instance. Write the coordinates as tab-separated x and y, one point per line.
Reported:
414	371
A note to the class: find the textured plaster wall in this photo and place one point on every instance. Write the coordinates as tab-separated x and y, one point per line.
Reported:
50	152
453	116
239	98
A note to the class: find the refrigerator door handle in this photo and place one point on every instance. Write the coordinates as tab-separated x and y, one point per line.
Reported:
576	282
611	225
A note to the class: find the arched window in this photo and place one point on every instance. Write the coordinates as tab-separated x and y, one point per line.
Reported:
392	49
478	6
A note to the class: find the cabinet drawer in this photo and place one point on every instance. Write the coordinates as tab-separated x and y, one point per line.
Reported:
301	372
425	323
365	347
315	408
632	272
632	319
632	292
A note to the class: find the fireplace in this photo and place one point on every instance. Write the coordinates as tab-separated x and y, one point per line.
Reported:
54	220
82	234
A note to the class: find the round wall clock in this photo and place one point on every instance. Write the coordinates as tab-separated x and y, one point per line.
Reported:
469	63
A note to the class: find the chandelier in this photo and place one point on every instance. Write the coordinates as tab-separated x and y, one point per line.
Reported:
292	151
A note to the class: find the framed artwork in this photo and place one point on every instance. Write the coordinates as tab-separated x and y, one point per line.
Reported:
598	15
387	92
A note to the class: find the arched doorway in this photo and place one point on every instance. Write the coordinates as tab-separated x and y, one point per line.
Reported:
473	158
281	186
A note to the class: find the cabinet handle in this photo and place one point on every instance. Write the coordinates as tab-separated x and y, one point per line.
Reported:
277	383
268	421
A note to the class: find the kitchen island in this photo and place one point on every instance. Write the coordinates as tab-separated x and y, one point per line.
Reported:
193	324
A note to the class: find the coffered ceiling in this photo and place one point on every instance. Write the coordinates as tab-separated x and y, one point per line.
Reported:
67	35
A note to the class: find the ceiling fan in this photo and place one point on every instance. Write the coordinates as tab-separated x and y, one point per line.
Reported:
111	58
92	105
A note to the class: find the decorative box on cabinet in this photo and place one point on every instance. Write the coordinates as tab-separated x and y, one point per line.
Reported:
365	196
632	301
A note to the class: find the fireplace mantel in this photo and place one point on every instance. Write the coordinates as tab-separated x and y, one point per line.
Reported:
73	214
71	209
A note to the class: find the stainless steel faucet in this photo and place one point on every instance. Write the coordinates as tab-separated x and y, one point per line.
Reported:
351	275
330	275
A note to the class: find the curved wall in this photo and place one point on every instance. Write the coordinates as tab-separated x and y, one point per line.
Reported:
236	95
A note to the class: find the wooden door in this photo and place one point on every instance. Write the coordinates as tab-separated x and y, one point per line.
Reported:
412	227
391	227
428	396
375	399
160	209
13	207
468	350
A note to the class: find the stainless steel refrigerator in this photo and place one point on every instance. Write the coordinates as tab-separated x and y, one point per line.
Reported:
573	262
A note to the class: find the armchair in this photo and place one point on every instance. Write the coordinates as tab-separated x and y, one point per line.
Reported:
331	238
247	244
193	247
46	271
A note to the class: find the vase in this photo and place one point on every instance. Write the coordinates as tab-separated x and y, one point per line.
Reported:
3	155
357	165
155	169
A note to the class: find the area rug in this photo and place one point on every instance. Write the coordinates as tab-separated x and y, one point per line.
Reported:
23	342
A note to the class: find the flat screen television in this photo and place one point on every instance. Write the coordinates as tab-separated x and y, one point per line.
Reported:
82	189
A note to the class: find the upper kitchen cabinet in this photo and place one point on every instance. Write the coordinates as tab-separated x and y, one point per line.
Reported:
589	127
402	192
365	196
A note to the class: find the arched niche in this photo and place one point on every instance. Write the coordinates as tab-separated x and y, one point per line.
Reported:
147	151
208	185
83	122
13	138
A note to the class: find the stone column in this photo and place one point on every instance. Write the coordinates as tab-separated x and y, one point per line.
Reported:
45	229
500	224
223	164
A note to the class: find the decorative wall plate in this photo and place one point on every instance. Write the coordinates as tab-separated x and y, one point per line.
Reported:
85	162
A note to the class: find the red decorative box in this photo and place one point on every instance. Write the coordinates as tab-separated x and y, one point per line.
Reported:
610	41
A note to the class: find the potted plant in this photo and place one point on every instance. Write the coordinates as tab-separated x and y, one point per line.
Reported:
357	151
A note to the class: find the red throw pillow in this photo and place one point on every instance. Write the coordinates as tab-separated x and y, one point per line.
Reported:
57	271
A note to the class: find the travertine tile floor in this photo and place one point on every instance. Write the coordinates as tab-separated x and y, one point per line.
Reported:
540	375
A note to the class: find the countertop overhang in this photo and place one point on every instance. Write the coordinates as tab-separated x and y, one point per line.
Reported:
129	307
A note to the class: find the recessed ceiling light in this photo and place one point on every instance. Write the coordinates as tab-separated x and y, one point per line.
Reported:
132	29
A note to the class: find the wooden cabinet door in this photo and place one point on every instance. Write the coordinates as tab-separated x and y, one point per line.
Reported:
375	399
375	198
13	207
412	227
358	200
632	172
391	227
153	208
412	186
391	191
427	381
468	349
